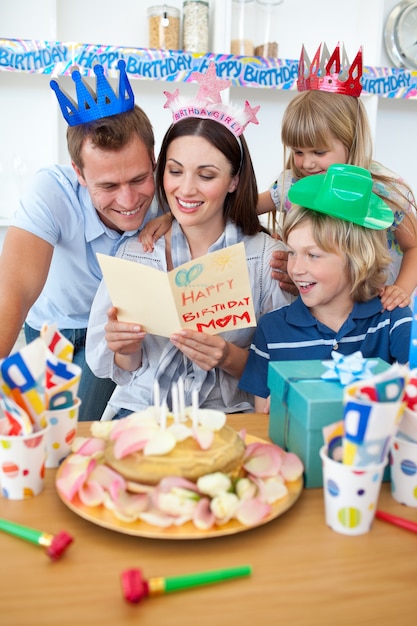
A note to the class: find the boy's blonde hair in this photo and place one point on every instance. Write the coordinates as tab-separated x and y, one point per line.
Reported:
365	249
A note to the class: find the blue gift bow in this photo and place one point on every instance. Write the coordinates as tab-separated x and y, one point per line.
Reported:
348	368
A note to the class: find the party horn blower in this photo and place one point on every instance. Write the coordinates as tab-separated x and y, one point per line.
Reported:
397	521
55	544
135	587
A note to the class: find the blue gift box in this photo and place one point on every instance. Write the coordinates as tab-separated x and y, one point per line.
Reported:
301	405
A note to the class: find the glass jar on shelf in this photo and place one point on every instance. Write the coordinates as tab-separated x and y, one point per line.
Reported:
195	26
266	26
164	27
243	23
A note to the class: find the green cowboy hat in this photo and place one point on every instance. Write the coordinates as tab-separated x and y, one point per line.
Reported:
344	192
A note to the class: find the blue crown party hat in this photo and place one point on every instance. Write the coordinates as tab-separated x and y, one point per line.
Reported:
104	103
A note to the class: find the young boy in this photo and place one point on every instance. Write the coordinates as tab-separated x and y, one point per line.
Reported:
338	260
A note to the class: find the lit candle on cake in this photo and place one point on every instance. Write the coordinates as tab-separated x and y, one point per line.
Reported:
181	397
156	394
175	402
163	415
194	406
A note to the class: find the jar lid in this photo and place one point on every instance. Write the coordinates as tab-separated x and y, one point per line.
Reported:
195	2
160	9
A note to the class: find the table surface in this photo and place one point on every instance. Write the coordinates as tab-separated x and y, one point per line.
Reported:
303	572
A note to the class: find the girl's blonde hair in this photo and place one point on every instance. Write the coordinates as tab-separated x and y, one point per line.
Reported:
365	249
313	117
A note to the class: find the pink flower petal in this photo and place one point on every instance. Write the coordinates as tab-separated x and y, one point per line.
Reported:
170	482
160	443
157	519
109	479
204	437
213	420
131	440
181	432
292	467
263	459
119	426
176	497
178	505
251	512
74	474
88	446
134	421
91	494
273	489
203	518
131	505
179	521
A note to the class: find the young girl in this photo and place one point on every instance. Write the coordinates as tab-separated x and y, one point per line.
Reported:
320	129
205	177
338	260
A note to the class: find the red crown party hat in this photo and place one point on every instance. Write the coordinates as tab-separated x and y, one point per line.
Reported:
329	73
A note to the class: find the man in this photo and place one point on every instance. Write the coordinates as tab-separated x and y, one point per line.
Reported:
48	267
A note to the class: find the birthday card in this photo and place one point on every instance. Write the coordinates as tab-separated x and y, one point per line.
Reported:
209	294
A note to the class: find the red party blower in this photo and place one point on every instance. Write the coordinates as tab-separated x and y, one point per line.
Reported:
397	521
55	544
135	587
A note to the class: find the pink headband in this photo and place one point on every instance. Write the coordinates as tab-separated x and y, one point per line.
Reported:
208	103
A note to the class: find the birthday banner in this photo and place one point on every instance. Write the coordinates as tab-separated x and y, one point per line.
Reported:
57	58
210	294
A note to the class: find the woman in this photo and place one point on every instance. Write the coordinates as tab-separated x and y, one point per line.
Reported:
205	177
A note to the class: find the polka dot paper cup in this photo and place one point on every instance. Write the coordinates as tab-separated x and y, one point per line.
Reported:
404	471
350	494
63	428
22	463
408	425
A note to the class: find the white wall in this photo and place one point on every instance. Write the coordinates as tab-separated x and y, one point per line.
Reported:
32	130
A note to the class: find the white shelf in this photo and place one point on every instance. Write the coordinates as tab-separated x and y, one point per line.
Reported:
33	130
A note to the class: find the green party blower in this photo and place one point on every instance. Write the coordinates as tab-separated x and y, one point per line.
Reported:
135	587
55	544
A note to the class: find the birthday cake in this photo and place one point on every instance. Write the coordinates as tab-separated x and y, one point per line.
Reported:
169	470
181	449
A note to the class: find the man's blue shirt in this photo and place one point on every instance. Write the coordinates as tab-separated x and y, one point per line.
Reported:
57	209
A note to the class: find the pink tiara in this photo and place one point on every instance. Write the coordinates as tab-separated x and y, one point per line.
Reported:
208	103
329	73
